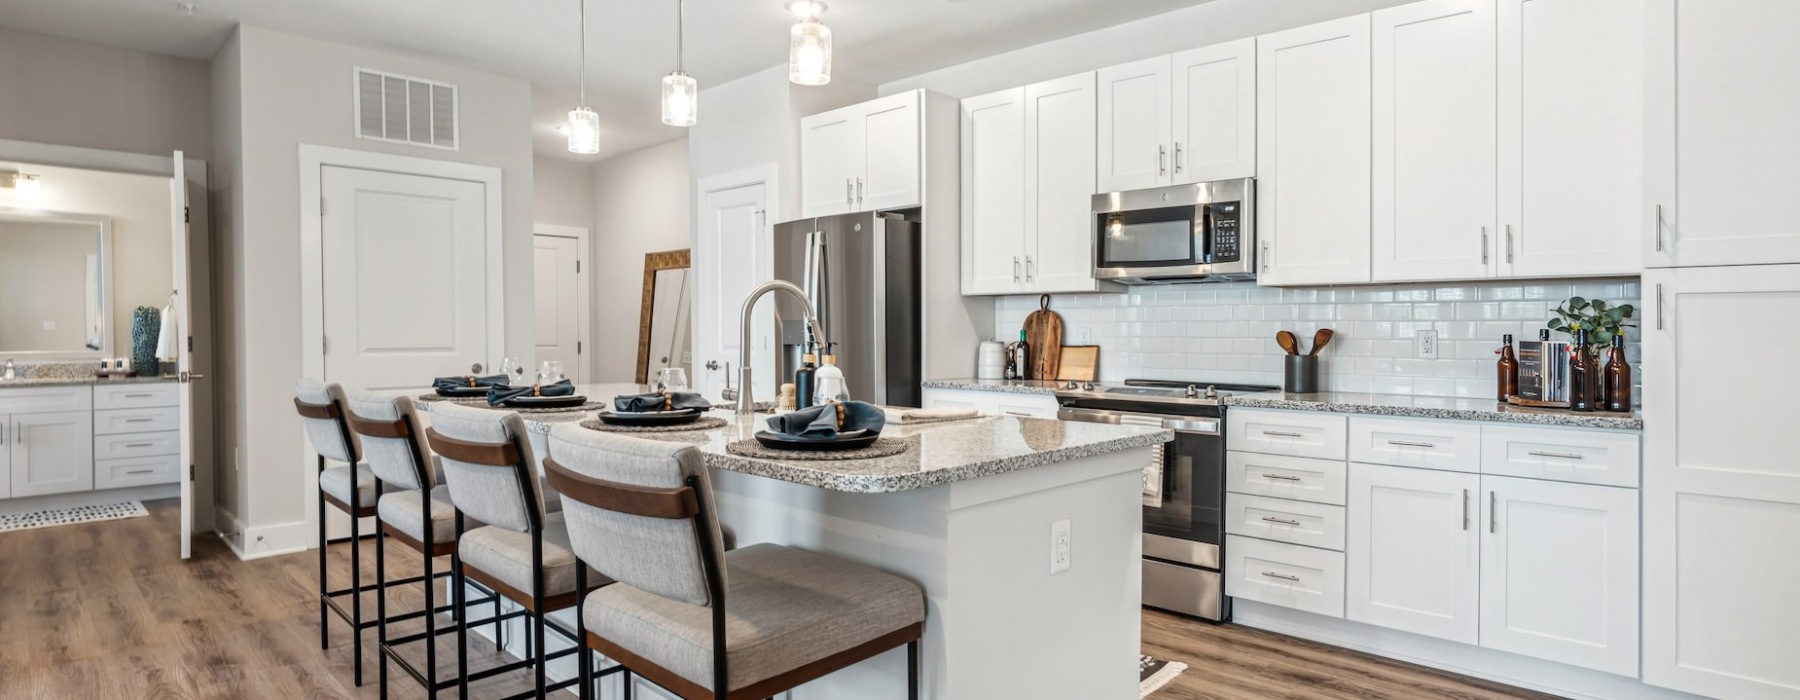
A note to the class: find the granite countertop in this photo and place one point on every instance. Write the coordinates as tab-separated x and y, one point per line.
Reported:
1001	386
77	381
1436	407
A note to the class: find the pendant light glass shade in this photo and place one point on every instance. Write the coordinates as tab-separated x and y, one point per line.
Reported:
809	53
680	99
584	131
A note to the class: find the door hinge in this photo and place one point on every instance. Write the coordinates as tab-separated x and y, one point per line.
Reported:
187	215
190	472
577	267
190	343
578	347
321	206
324	344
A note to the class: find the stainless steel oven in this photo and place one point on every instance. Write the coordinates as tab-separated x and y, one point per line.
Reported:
1198	232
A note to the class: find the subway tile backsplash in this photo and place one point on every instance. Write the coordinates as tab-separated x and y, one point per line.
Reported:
1226	332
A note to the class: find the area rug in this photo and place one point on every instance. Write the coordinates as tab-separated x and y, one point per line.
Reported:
71	516
1153	674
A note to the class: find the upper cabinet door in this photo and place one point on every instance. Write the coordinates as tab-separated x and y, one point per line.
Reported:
1134	126
1312	153
1434	139
1059	184
889	178
993	192
1572	138
831	154
1215	113
1732	132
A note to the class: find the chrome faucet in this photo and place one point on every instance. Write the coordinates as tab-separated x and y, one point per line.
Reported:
746	404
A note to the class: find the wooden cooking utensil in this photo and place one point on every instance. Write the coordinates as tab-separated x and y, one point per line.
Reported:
1320	339
1288	342
1044	331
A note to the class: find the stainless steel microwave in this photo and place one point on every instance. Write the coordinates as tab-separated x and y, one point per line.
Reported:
1186	233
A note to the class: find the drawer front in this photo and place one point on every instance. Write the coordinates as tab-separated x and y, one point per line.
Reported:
46	399
136	420
1287	575
1298	478
133	445
1427	444
1608	458
135	396
1027	406
1290	433
1298	522
136	471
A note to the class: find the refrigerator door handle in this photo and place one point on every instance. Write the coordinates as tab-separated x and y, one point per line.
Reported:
819	281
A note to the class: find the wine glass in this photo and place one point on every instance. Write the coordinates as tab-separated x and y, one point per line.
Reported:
674	379
511	367
550	372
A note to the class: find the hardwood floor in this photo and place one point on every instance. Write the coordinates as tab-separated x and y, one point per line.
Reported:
106	611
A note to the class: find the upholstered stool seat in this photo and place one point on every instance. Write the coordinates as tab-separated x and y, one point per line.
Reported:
404	511
506	555
335	482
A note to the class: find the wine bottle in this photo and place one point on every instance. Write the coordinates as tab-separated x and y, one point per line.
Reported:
1618	377
1509	370
1022	356
1581	374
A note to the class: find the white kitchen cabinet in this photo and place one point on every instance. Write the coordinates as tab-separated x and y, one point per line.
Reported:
1434	141
1312	156
1214	119
1608	458
1731	130
1289	433
1721	482
1408	442
993	201
1559	572
1288	575
861	157
1133	125
995	403
1571	138
1296	478
1282	520
51	452
1412	555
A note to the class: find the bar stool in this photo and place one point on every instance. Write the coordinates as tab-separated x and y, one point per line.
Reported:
321	408
387	427
523	550
642	512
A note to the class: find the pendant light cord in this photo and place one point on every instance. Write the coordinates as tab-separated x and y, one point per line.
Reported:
581	73
680	31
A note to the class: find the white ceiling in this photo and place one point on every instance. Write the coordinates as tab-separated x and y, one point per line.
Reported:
631	44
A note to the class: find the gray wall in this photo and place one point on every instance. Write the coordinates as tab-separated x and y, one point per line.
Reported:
640	206
78	93
227	197
562	192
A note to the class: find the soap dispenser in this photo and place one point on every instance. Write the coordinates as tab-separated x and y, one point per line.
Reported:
806	379
830	380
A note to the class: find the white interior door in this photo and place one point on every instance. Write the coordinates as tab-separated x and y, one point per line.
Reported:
558	268
405	277
733	254
184	350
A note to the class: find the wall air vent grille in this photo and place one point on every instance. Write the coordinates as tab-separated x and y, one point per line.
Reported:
404	109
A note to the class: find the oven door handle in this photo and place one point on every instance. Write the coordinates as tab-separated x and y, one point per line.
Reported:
1196	425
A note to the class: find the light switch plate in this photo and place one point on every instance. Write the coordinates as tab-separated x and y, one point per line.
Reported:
1059	546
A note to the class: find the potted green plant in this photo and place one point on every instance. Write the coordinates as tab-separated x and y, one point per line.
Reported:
1601	319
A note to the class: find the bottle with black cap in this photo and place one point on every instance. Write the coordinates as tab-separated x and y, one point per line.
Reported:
804	378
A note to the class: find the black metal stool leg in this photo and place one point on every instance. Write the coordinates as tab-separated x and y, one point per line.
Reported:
912	670
381	618
356	581
430	608
584	664
324	581
462	630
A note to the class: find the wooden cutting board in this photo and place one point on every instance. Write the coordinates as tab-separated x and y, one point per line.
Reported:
1044	331
1080	363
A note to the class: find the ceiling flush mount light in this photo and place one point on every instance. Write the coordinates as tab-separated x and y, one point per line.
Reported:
680	94
584	123
809	45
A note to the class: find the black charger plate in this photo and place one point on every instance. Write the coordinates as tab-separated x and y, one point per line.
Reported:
650	418
852	440
546	401
463	392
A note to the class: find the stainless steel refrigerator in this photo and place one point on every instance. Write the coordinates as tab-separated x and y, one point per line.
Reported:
861	272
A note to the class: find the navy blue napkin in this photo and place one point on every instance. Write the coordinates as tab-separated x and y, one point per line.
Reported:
501	393
467	382
645	403
830	419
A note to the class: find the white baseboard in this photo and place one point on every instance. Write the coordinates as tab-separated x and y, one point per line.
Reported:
89	498
1498	666
257	542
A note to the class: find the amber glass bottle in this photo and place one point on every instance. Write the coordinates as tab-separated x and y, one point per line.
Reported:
1509	371
1618	377
1582	374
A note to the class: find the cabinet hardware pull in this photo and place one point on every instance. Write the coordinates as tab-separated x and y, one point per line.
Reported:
1659	228
140	444
849	194
1020	414
859	191
137	396
140	471
1015	269
3	428
1659	306
1465	509
1162	160
1283	577
1281	433
1409	443
1558	455
1484	245
1493	511
1280	520
139	420
1282	477
1028	272
1509	246
1265	255
1178	157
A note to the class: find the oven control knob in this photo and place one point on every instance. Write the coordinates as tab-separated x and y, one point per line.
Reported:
1192	391
1087	386
1212	392
1071	386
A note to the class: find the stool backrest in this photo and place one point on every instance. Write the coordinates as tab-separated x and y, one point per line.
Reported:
640	511
489	466
321	408
392	441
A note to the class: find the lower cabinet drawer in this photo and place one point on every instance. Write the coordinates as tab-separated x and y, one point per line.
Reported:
1288	575
136	420
1604	457
136	471
1297	522
1299	478
133	445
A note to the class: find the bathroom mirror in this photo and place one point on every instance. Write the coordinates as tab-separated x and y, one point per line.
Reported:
663	323
55	285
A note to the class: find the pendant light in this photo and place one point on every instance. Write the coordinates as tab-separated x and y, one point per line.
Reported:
809	45
584	123
680	94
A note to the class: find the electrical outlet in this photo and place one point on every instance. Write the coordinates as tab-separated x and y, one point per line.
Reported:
1084	336
1059	546
1428	345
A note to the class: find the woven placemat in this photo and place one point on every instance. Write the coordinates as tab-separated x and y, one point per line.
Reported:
481	402
704	423
883	447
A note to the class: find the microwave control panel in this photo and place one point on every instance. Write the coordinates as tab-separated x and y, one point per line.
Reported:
1223	226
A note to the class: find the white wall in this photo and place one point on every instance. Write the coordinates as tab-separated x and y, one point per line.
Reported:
227	198
754	121
641	205
562	192
79	93
294	90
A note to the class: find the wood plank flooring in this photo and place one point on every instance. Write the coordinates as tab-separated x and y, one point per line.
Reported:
107	611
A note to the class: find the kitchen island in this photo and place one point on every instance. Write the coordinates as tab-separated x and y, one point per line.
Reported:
967	511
